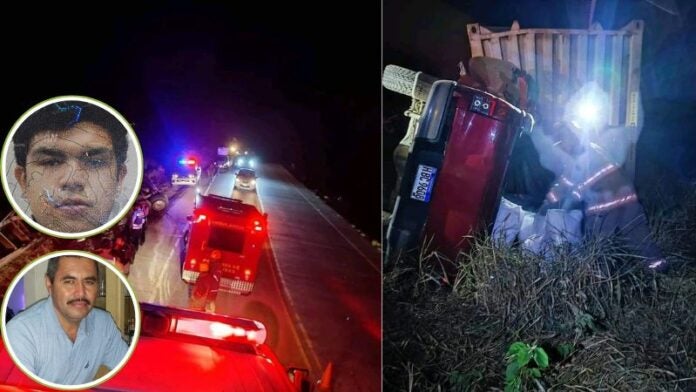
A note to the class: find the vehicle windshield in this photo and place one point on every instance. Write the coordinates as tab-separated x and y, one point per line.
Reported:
246	173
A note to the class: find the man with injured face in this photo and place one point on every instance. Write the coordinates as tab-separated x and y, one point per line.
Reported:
71	165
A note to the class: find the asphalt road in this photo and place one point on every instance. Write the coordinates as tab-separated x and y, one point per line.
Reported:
318	289
155	274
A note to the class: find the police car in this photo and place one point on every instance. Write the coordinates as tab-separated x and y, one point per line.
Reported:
185	350
188	172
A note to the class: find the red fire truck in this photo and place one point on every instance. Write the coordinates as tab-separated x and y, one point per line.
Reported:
228	231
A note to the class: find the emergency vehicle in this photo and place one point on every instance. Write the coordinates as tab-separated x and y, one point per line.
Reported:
229	231
185	350
189	172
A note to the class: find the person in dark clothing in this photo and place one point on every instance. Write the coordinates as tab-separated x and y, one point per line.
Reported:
206	288
137	227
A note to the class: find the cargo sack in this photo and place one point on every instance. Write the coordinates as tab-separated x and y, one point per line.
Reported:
507	222
563	226
539	233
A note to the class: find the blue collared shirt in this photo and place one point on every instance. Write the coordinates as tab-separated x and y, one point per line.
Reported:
41	345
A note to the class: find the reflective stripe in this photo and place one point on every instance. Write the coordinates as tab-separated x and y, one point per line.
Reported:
597	208
657	264
577	195
599	174
552	197
566	181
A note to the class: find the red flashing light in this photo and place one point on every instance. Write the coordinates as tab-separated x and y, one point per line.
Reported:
185	323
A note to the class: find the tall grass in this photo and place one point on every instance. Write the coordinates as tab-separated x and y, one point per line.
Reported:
606	323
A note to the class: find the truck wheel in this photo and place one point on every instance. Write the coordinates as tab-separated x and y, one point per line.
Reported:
158	203
407	82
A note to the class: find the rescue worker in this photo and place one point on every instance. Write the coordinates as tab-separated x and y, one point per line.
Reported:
593	180
206	288
137	227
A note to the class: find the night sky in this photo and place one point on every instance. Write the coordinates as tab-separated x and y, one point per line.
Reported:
430	36
191	77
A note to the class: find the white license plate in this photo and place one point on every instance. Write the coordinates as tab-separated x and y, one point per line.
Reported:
423	184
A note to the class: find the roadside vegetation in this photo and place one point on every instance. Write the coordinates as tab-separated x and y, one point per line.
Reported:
588	319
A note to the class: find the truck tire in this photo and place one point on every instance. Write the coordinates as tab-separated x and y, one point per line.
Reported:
407	82
158	203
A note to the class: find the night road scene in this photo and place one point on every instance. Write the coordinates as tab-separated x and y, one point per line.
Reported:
225	160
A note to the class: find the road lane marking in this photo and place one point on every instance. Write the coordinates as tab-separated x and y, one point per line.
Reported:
338	231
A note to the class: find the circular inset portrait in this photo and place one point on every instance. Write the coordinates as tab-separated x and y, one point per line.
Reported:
70	321
72	166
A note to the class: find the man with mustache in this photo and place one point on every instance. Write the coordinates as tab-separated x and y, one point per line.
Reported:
62	338
71	165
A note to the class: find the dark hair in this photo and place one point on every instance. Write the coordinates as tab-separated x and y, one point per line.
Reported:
53	266
59	117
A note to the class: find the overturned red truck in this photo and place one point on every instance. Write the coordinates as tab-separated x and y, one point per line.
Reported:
461	135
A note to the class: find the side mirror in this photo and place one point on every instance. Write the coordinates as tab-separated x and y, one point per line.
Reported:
265	215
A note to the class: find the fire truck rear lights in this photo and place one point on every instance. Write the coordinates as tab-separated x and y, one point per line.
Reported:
201	218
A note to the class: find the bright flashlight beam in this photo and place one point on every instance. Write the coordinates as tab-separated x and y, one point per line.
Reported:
588	111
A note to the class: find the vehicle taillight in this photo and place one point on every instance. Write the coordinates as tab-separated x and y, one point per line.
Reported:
201	218
258	226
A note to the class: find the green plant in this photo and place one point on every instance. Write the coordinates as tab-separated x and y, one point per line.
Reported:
460	381
565	349
519	357
584	322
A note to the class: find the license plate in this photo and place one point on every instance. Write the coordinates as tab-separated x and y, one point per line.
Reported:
423	184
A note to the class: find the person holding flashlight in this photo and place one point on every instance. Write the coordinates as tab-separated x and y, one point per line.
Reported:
589	157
